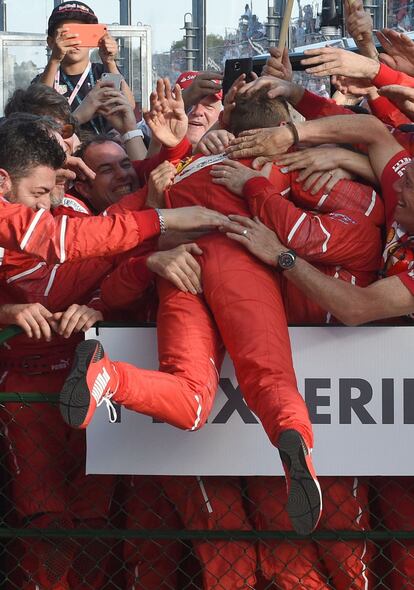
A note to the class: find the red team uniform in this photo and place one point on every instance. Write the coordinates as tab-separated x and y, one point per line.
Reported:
41	447
396	494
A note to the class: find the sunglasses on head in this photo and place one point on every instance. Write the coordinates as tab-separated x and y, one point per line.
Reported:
66	131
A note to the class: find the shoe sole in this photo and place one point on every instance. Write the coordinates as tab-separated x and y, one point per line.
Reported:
75	397
304	503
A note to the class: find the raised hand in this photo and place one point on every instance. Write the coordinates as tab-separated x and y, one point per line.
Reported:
329	61
401	96
399	50
62	42
278	64
166	117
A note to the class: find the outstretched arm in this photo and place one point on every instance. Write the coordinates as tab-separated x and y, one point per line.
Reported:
267	144
350	304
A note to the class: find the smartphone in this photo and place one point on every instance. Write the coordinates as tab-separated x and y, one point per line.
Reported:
115	78
89	35
233	68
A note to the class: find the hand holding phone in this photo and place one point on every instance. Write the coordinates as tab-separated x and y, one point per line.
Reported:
116	79
234	68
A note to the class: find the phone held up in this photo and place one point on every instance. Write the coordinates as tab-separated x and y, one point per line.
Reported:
89	35
234	68
115	78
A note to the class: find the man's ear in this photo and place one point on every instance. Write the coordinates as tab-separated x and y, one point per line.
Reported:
5	182
83	188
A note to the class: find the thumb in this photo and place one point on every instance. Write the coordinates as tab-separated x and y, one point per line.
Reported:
387	60
193	249
258	163
267	169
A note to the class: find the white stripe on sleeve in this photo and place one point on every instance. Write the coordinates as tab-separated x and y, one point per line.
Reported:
62	238
31	229
295	227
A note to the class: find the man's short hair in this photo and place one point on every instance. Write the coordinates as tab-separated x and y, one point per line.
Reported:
256	110
26	143
95	140
40	99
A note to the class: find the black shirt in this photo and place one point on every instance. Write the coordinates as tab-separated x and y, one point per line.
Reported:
67	84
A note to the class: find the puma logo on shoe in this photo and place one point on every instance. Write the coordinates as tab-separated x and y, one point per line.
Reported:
100	385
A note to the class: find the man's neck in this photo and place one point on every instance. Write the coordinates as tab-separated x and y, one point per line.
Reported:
75	69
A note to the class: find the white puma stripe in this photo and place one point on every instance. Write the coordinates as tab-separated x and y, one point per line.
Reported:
100	385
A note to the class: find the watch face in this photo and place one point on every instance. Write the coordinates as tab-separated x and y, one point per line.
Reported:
287	260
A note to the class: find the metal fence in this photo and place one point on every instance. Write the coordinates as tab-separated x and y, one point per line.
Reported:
63	530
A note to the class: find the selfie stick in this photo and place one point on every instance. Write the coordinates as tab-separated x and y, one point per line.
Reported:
285	25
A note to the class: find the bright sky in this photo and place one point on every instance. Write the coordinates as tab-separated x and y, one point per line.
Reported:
165	17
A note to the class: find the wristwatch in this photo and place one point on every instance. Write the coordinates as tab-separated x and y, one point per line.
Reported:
131	134
286	260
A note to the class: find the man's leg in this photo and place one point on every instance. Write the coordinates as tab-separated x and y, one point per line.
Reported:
216	503
246	302
290	564
149	564
36	464
181	393
346	508
396	509
346	505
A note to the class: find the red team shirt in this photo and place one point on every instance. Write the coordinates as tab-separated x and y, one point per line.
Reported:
398	252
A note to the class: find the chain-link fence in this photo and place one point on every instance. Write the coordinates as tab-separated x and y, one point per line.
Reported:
63	530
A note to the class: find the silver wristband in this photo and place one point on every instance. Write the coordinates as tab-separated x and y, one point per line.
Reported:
163	225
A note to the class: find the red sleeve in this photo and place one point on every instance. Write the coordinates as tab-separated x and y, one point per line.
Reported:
346	194
387	112
405	138
143	168
407	279
124	286
61	239
342	238
133	202
387	76
313	106
392	172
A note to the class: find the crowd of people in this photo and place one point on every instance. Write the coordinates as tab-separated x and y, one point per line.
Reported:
223	220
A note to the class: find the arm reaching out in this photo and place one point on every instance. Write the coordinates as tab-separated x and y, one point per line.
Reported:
352	305
267	145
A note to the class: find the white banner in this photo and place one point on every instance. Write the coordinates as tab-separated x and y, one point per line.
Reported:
357	383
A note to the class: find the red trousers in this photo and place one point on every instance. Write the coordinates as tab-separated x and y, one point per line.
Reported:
45	461
395	501
308	564
242	308
149	564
